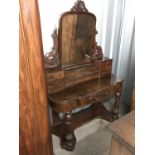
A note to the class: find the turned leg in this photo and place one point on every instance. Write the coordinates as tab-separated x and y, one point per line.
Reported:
68	140
116	105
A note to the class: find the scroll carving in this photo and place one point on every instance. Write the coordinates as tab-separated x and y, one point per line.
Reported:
51	58
79	6
98	54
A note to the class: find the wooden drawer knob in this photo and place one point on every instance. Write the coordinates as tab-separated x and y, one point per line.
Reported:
107	93
90	98
96	98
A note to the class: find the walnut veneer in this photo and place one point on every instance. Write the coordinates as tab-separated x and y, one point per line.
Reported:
123	135
34	124
78	75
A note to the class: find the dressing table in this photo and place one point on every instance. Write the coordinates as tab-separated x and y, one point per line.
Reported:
78	75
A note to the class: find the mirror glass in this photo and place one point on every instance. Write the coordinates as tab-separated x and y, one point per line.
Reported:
77	39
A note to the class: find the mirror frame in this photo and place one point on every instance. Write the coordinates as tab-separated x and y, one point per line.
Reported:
53	59
60	50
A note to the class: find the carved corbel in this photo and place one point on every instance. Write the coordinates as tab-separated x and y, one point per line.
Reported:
51	58
98	54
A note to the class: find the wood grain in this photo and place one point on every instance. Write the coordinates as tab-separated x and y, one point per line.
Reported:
83	76
118	149
60	80
68	33
123	130
34	135
76	39
86	93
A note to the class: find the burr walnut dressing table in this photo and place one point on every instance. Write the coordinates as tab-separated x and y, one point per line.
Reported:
78	75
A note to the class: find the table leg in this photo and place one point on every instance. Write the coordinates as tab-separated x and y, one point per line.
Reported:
68	140
116	105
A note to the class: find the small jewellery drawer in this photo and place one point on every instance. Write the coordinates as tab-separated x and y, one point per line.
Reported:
92	98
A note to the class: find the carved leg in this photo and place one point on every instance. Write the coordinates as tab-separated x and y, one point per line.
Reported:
68	140
116	105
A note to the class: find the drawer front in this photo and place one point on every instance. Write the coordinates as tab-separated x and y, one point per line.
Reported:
80	75
106	68
100	96
55	85
93	98
55	81
55	75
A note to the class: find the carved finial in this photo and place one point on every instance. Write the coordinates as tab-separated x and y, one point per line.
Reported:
79	6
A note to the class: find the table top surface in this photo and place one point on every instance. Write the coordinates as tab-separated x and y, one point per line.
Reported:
89	87
123	130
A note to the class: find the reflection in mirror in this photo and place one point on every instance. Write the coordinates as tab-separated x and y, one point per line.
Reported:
78	32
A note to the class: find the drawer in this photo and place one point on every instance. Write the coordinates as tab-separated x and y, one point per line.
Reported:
106	65
92	98
55	75
55	85
106	68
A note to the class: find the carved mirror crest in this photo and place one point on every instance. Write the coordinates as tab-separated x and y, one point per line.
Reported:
75	41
